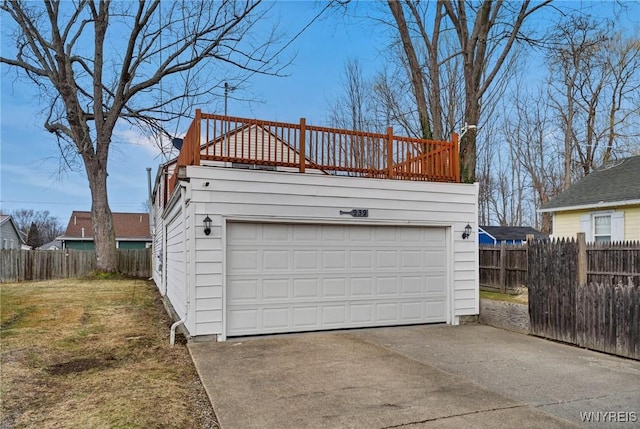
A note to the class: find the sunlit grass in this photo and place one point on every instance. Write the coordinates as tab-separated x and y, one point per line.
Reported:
91	353
520	299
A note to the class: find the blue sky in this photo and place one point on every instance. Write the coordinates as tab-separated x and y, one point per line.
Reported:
29	156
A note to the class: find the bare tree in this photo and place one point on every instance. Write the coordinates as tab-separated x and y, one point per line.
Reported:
48	226
486	32
144	62
593	84
529	133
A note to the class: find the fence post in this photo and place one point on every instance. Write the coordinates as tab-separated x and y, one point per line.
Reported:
503	268
302	156
582	260
390	152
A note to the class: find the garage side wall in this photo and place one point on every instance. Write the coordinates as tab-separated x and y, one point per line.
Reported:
226	194
175	260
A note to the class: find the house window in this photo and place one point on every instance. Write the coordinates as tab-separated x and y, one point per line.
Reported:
602	228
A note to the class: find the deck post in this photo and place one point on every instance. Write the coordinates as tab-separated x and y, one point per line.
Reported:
455	158
195	145
302	155
390	152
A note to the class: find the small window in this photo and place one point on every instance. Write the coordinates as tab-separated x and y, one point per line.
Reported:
602	228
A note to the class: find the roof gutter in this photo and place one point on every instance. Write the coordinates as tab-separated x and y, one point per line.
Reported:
601	204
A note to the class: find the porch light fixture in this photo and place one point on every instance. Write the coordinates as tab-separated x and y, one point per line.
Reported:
207	225
467	232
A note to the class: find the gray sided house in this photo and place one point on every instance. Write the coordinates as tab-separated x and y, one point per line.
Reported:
275	228
10	235
132	231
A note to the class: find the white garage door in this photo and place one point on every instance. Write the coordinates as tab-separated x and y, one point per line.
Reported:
302	277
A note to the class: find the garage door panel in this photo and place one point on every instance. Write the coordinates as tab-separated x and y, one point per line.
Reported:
361	314
361	259
275	232
335	234
387	259
243	319
334	260
334	287
411	259
243	290
387	312
241	260
305	288
247	234
306	317
274	260
275	289
387	286
334	315
287	278
361	286
413	285
436	285
411	311
275	318
435	259
305	260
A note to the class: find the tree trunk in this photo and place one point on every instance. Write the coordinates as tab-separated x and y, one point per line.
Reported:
414	68
103	231
468	148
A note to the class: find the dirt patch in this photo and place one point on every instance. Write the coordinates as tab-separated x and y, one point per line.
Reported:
80	365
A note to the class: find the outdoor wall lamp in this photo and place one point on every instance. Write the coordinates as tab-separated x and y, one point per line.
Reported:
207	225
467	232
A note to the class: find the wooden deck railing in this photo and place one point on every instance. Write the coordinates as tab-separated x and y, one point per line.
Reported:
307	147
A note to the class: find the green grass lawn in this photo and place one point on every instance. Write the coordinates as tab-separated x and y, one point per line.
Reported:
520	299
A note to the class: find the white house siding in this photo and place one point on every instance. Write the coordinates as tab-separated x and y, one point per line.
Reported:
158	236
175	271
228	195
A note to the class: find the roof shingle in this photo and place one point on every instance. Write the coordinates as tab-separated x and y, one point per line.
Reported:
617	183
126	225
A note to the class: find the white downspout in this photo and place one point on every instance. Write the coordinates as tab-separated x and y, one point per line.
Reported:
172	336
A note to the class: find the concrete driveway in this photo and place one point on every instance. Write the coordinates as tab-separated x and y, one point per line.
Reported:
417	376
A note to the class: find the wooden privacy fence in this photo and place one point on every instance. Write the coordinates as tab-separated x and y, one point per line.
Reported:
34	265
586	295
503	268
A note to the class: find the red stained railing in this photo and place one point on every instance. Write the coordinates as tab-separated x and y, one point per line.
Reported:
307	147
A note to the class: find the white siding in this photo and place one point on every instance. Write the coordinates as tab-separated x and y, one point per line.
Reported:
157	244
175	263
260	196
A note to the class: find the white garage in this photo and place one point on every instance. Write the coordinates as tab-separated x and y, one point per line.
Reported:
292	277
284	254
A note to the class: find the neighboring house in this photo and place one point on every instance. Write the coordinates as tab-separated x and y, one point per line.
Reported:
605	204
52	245
10	236
507	234
132	231
251	237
